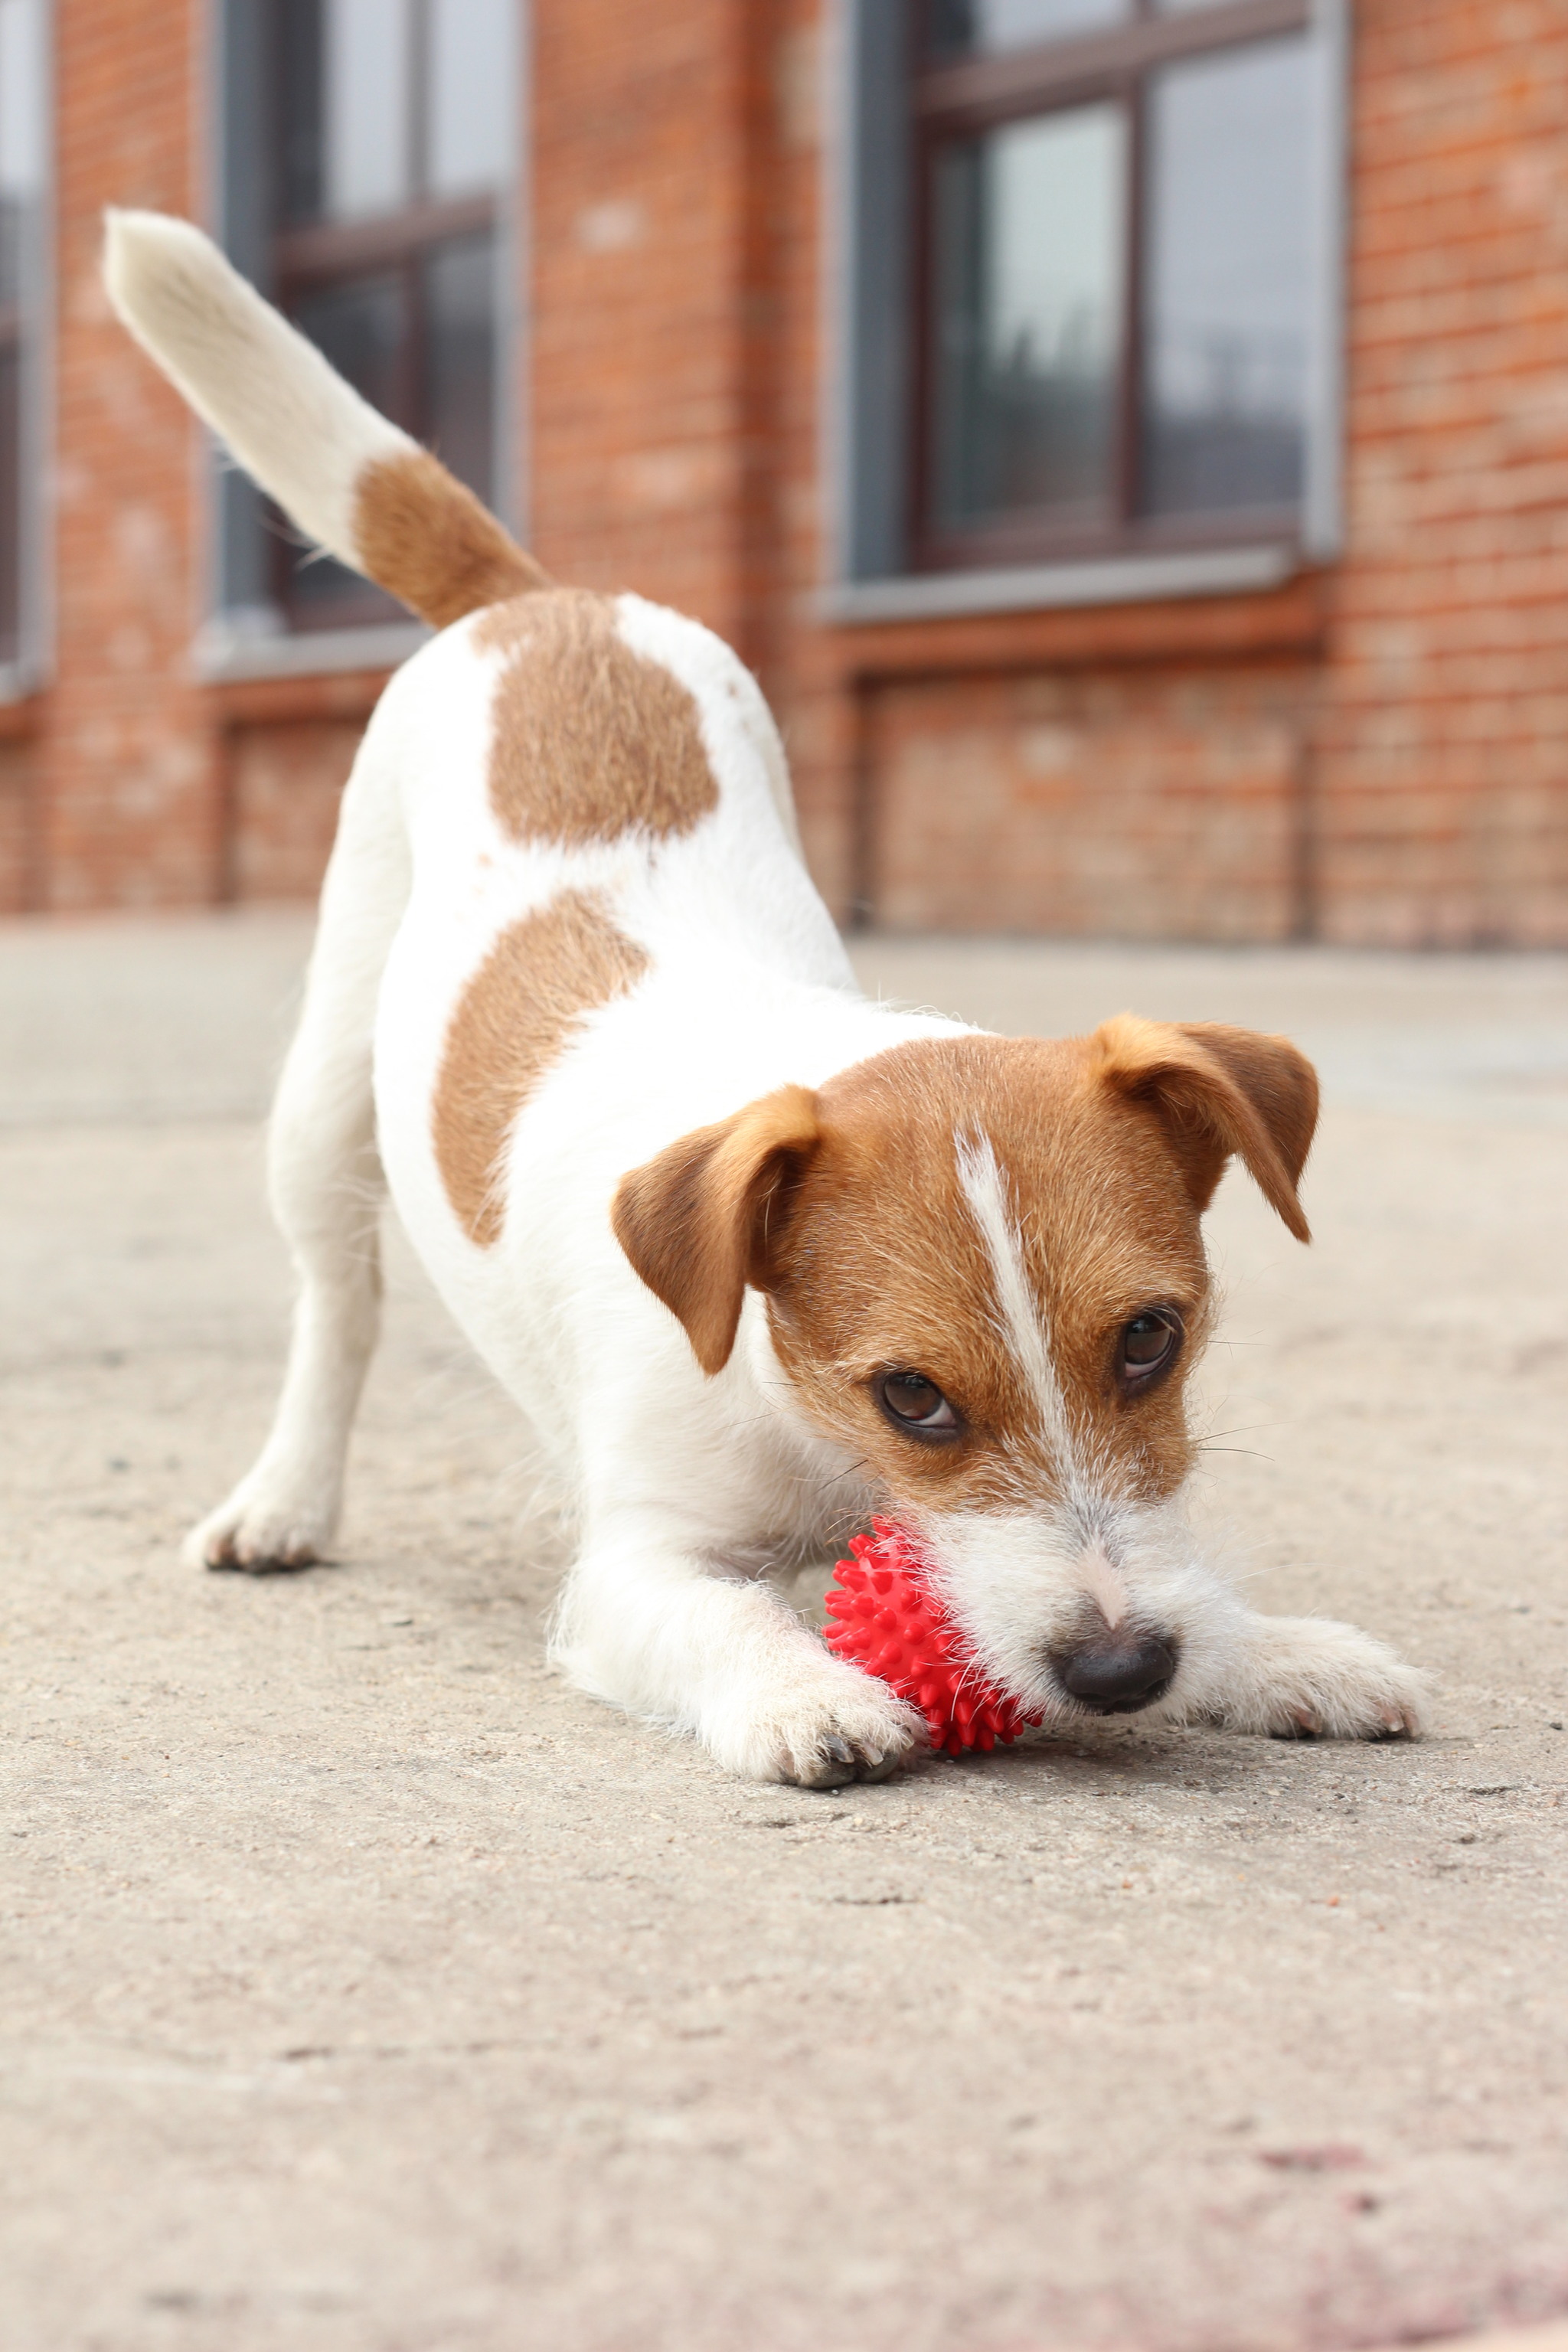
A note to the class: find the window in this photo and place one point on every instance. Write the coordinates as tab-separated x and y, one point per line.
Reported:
373	209
23	115
1089	278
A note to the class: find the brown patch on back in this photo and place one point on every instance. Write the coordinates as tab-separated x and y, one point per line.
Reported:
515	1016
426	539
591	739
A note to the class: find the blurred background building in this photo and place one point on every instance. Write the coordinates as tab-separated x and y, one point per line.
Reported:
1128	437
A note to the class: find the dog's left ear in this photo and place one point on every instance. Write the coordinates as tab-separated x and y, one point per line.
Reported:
1218	1091
695	1222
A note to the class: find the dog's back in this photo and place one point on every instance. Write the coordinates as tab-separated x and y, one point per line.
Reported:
570	824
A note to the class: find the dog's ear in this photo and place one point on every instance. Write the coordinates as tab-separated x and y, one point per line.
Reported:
1216	1091
695	1222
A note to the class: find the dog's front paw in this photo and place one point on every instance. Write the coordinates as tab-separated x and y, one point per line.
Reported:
1311	1678
829	1727
262	1530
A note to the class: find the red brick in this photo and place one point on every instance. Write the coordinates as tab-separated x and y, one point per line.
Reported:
1381	751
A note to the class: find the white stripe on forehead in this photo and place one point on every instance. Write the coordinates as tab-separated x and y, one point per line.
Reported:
1020	1315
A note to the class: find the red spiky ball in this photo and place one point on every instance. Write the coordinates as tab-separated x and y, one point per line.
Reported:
886	1618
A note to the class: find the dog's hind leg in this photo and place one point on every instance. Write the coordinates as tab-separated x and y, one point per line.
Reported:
327	1190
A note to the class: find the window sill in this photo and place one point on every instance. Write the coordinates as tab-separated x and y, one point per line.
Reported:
1040	587
222	655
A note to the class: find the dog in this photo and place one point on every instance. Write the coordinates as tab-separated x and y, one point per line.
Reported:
756	1256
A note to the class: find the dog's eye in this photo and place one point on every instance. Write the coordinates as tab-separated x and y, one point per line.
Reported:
916	1405
1148	1344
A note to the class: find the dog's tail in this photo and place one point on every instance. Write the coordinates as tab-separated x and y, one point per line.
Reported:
361	487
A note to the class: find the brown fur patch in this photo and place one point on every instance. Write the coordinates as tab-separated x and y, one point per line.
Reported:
591	739
694	1221
426	539
848	1209
1219	1090
880	1265
514	1017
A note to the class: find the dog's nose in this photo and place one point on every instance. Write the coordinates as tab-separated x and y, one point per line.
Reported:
1119	1672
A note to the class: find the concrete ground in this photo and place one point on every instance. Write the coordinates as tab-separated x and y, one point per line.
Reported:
366	1991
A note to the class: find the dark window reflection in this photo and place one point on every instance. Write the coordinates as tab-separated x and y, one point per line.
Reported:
985	27
345	68
11	224
298	110
22	116
362	327
10	501
1227	296
13	216
394	132
1029	260
461	312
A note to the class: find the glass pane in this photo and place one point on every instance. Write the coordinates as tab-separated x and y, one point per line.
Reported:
1028	224
13	216
964	28
21	176
21	113
1229	274
362	329
460	304
298	110
10	501
344	108
366	114
360	326
21	134
472	100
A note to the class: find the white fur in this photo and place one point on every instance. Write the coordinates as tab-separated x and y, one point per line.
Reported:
689	1491
1021	1316
292	421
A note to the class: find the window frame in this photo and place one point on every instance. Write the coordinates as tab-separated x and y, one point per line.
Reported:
31	334
895	109
249	630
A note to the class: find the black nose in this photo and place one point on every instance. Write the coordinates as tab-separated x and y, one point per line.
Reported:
1119	1672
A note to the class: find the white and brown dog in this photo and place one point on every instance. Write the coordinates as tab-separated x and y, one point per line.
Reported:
756	1256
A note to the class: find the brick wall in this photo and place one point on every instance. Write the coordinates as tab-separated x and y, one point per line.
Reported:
285	781
1379	752
1442	763
18	802
1160	804
127	750
643	331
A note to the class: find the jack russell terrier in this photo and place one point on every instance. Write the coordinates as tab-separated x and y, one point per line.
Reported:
756	1256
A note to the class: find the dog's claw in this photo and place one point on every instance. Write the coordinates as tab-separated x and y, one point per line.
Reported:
279	1563
844	1761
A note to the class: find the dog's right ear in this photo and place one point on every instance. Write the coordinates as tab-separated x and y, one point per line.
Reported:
695	1222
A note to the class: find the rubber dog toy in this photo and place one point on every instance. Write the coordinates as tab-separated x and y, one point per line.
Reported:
887	1619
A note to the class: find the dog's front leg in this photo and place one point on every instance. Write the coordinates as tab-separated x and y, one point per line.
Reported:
644	1624
1308	1677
